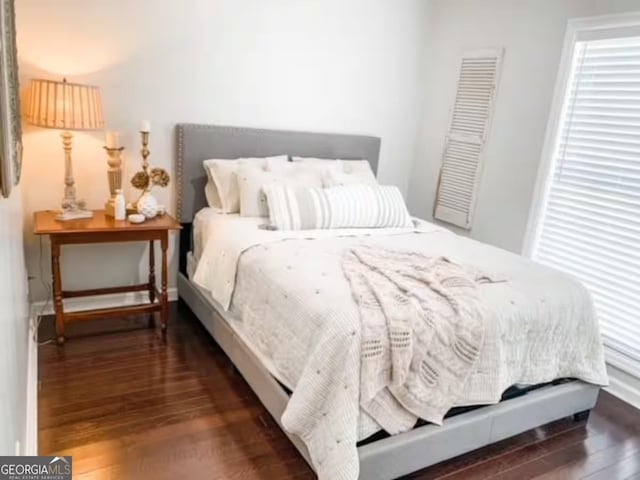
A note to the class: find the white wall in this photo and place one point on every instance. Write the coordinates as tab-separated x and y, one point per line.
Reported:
13	326
323	65
532	33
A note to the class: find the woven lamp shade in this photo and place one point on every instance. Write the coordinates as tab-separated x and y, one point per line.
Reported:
63	105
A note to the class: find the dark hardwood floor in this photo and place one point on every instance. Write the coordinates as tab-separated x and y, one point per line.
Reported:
128	406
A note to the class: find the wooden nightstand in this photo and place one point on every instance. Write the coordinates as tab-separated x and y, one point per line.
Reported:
103	229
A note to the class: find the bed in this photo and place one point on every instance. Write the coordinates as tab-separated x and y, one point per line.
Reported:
380	456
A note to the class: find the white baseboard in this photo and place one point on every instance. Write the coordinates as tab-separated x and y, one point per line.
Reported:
624	377
97	301
624	386
31	428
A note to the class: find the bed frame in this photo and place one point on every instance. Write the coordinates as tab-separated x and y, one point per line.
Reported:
388	457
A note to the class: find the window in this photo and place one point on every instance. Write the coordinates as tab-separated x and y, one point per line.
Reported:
588	218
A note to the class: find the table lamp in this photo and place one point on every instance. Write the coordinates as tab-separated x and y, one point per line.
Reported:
65	106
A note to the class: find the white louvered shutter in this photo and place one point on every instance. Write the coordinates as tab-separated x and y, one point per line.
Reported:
590	221
470	119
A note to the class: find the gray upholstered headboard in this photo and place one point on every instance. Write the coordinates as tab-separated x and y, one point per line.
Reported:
196	143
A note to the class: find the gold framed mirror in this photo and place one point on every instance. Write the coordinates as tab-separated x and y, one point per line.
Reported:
10	122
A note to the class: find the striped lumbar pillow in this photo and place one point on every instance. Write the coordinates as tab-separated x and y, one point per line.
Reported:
349	206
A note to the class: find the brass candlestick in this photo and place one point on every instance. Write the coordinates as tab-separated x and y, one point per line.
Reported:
145	151
147	178
114	175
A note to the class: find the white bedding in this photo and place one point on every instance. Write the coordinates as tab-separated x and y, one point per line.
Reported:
227	236
290	300
232	234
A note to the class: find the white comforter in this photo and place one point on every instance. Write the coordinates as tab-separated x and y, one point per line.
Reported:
290	299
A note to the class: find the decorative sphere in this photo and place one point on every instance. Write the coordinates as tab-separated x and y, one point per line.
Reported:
148	205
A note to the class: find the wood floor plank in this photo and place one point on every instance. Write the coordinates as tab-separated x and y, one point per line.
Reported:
128	405
593	462
623	469
564	451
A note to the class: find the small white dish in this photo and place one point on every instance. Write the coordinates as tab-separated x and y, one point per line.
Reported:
136	218
162	209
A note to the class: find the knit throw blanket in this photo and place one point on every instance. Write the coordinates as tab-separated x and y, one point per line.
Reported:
422	332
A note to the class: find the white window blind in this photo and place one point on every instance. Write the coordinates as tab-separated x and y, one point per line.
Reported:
464	144
590	220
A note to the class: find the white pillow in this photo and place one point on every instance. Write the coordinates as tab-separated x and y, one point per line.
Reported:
221	189
252	179
341	172
348	172
350	206
211	192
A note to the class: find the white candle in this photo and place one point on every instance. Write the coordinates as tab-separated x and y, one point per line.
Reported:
112	139
145	126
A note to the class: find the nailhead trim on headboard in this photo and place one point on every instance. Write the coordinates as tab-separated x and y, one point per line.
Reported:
324	145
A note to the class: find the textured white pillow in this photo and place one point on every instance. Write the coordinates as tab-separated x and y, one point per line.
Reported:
252	179
226	186
348	172
221	189
341	172
211	192
350	206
